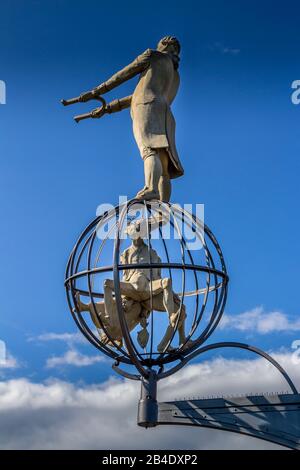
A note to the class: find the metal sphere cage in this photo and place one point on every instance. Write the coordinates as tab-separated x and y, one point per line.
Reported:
190	257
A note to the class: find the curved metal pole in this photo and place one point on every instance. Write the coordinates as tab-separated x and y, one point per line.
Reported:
151	279
197	267
123	373
202	291
232	344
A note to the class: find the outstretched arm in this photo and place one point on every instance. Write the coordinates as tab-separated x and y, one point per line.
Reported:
136	67
112	107
117	105
128	72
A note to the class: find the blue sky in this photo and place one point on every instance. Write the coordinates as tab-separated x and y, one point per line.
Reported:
237	135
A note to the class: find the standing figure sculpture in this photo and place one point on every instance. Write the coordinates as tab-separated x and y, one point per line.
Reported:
150	105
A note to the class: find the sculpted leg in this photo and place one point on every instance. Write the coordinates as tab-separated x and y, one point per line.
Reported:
140	291
163	344
108	314
82	307
105	340
126	288
109	303
165	188
181	323
164	185
168	300
153	173
181	333
163	299
100	309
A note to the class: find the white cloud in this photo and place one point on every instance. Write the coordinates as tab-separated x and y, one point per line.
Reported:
257	320
231	50
69	338
9	362
60	415
73	358
219	47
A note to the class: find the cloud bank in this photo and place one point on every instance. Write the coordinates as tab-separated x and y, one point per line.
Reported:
73	358
260	321
61	415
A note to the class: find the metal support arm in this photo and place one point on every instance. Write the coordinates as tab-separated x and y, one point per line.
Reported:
275	418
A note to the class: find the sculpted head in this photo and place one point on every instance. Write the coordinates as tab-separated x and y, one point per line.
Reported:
169	44
137	230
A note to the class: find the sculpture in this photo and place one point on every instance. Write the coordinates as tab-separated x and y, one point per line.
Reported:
143	290
141	293
150	106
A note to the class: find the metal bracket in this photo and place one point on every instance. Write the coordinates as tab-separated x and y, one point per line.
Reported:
274	418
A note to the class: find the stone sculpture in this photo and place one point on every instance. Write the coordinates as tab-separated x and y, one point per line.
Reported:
141	292
150	107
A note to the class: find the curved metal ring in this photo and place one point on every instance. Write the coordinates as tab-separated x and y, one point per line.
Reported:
233	344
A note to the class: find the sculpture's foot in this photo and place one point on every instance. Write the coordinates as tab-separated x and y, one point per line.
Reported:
142	191
147	194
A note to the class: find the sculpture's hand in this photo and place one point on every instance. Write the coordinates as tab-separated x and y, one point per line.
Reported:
94	93
99	112
95	113
87	96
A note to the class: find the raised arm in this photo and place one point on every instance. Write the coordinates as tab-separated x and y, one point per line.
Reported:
136	67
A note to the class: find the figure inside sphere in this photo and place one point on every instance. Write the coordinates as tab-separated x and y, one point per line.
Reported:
141	292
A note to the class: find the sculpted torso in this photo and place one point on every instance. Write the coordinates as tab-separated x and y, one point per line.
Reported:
158	82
